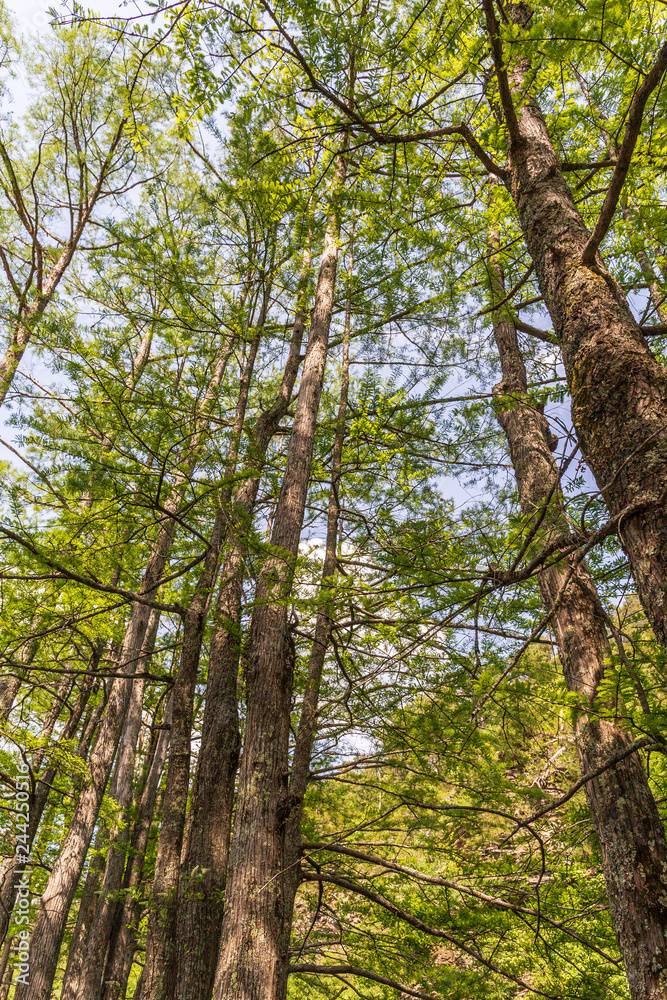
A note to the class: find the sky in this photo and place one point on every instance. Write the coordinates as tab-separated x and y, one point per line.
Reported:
32	16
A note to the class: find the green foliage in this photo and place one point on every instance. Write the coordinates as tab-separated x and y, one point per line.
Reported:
444	719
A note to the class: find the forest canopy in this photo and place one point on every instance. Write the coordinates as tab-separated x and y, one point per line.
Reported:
333	501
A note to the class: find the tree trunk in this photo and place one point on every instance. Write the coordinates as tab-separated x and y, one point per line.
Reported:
124	936
6	969
618	389
100	931
9	687
77	952
61	886
159	978
204	869
307	724
251	930
625	816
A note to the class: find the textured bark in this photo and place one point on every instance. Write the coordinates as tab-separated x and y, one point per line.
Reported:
160	970
61	886
100	931
204	869
305	737
618	389
6	970
124	935
101	924
624	813
249	960
9	688
85	915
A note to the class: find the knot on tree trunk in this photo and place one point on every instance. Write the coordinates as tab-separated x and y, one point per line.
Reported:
285	806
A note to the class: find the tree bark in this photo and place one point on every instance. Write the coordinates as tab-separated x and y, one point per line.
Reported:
249	960
618	389
6	970
204	869
624	813
305	737
124	935
159	977
100	931
61	886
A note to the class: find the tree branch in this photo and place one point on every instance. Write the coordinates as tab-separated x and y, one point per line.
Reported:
624	158
94	584
585	778
533	331
415	922
463	889
353	970
501	73
383	138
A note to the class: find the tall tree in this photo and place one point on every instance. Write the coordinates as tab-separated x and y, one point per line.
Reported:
626	818
248	965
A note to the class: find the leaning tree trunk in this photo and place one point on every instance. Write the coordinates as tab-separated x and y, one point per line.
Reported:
249	961
61	885
204	868
624	813
6	969
8	886
618	389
